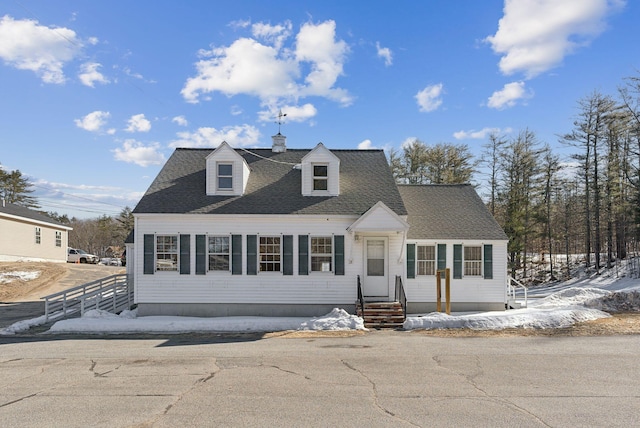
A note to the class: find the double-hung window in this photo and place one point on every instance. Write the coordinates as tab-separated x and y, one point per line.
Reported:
167	252
219	255
38	235
270	254
320	177
426	260
321	254
225	176
58	239
473	260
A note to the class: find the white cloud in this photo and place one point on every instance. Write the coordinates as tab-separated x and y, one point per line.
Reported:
385	53
271	71
238	136
236	110
26	45
429	99
535	35
89	74
509	95
94	121
479	135
407	142
366	145
138	123
180	120
274	34
133	151
293	113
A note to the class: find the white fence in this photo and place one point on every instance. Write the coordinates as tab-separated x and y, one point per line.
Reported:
113	293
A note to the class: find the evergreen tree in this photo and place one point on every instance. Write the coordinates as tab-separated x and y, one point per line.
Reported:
16	189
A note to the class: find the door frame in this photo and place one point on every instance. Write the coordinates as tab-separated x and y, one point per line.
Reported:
373	285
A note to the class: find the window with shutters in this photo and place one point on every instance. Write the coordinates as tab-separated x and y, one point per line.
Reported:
270	252
167	252
426	260
219	253
321	254
473	260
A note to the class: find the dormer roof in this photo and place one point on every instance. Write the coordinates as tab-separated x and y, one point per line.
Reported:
274	185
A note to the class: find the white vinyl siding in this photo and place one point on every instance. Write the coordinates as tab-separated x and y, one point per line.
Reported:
469	289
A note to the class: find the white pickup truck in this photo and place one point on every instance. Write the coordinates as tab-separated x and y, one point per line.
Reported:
80	256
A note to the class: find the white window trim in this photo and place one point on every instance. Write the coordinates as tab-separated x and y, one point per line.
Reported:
260	253
58	239
311	255
229	253
218	177
434	260
315	177
177	253
465	261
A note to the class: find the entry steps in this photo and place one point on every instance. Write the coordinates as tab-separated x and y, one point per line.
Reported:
382	314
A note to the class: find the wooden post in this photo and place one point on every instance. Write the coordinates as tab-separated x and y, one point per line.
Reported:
447	285
438	292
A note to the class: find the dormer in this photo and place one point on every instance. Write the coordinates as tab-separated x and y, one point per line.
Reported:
227	172
320	173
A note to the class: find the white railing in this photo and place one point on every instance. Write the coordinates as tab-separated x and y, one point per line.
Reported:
512	286
113	293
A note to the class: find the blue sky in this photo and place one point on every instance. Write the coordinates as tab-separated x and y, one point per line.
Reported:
96	95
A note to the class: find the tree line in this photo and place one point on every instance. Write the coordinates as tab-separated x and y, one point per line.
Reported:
559	213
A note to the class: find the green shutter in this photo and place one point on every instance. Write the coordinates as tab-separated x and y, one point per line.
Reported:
442	256
488	261
185	254
339	254
303	255
236	254
411	260
201	254
457	261
149	254
252	255
287	255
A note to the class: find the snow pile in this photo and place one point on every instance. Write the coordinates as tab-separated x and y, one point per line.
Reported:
619	301
518	318
99	321
7	277
337	319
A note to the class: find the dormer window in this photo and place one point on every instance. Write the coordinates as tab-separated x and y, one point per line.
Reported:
225	176
320	173
320	177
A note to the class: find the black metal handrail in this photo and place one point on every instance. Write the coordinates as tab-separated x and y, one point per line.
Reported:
360	295
401	296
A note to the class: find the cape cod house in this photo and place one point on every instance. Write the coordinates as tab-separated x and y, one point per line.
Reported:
289	232
28	235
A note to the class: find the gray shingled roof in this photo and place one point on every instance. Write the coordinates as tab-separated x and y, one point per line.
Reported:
442	211
20	211
273	187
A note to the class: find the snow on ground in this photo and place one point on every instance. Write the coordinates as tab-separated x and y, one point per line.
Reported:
558	306
7	277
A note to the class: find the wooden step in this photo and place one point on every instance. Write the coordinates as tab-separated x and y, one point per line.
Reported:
382	314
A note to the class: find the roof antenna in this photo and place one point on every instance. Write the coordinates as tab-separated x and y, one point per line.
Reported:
280	120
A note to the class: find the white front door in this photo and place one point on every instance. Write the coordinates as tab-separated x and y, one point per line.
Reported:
376	275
